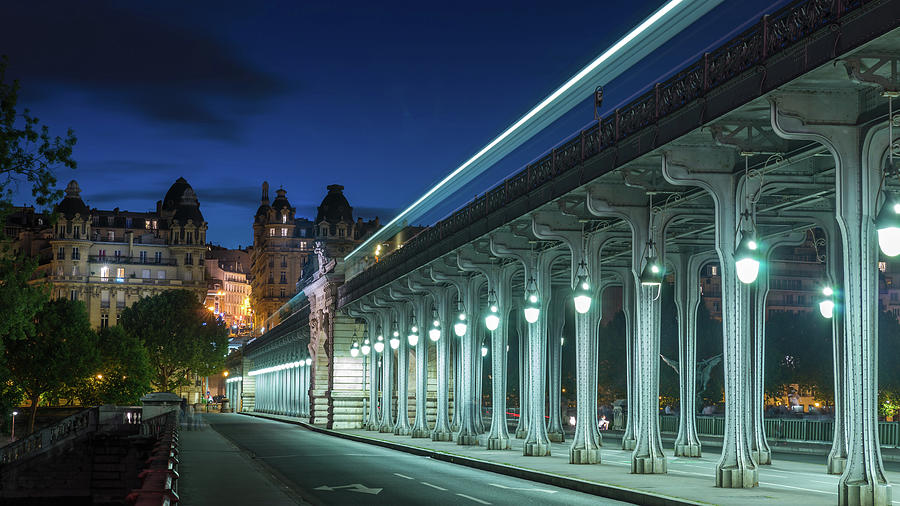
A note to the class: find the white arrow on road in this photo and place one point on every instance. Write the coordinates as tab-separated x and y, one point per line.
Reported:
525	489
354	487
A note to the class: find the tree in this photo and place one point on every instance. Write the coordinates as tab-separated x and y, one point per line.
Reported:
123	375
28	155
180	335
61	350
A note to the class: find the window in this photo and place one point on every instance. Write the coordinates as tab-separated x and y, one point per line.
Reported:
76	231
75	254
104	275
104	321
112	235
73	295
188	275
145	273
109	221
283	232
323	231
127	222
893	296
157	257
282	293
101	254
882	266
154	224
120	274
147	224
188	259
74	270
302	232
143	257
117	254
284	218
61	254
160	274
104	298
272	232
284	261
714	270
342	232
118	317
59	271
120	299
283	278
190	237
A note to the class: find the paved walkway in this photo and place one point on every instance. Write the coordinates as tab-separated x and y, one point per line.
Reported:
216	473
795	479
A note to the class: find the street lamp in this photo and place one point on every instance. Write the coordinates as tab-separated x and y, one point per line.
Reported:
532	308
354	349
747	259
492	320
379	342
12	437
413	336
484	350
435	332
395	335
308	360
460	327
652	274
365	348
888	225
582	295
826	306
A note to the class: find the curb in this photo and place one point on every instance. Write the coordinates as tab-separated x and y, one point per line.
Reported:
588	487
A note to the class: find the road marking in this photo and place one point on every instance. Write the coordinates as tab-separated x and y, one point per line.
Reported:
473	498
353	487
523	488
798	488
403	476
432	486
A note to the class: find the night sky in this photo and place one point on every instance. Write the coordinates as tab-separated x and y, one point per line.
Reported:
384	99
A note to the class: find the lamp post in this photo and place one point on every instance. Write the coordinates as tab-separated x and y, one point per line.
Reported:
395	335
460	327
582	295
435	332
492	319
413	337
12	436
747	259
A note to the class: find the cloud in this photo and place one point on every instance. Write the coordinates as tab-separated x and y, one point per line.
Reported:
175	76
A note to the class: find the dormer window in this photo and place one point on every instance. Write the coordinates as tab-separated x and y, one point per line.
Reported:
284	218
271	232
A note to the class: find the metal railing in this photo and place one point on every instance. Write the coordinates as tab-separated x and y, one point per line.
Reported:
784	429
750	50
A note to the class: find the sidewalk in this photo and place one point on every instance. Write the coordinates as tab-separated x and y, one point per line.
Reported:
214	472
688	479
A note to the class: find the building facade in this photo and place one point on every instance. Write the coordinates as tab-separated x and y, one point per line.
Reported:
111	259
228	289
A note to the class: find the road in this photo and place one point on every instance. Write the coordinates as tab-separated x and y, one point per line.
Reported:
324	469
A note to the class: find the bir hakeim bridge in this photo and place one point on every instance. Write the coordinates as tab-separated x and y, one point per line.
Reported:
789	127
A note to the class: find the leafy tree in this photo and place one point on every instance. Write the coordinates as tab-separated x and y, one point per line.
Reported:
28	155
180	335
123	375
60	351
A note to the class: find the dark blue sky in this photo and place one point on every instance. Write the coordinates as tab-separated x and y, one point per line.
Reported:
384	99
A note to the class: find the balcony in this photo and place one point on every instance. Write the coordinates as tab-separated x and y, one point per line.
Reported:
105	259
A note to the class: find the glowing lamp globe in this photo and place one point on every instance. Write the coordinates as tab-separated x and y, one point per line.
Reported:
413	336
308	361
492	320
366	348
484	351
888	225
395	342
582	297
532	308
826	306
354	349
652	275
747	260
435	332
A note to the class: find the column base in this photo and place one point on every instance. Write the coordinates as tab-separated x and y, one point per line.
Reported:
385	429
402	431
836	465
762	457
648	465
629	444
466	439
536	449
372	426
858	494
556	437
521	433
497	443
737	477
584	456
441	436
418	433
687	450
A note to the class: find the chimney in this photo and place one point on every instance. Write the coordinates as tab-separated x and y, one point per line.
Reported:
265	193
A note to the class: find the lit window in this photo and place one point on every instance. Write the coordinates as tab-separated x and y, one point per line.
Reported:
882	266
104	273
714	270
272	232
284	218
120	272
147	224
145	273
160	274
112	235
283	232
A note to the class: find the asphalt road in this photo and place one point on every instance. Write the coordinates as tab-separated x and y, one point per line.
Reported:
323	469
